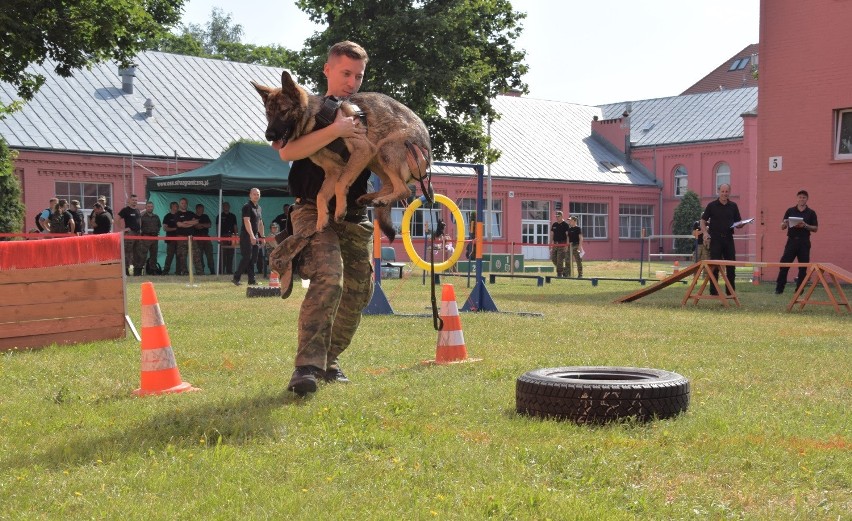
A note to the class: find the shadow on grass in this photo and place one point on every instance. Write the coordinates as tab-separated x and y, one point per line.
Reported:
236	422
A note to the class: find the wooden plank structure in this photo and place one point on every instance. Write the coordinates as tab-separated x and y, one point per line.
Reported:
76	294
826	275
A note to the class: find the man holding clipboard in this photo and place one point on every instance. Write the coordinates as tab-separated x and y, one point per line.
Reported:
723	215
799	221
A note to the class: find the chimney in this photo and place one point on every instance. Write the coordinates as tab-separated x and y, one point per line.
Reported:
127	76
149	108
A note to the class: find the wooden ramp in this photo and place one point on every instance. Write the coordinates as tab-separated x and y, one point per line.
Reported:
828	276
666	282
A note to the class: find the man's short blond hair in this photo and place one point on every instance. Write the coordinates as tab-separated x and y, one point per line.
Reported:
349	49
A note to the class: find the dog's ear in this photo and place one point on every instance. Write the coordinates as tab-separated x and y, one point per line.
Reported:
263	91
289	87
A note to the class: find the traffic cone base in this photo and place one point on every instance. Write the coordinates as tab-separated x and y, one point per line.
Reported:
159	372
451	348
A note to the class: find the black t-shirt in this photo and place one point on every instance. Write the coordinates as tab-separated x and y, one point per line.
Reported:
78	220
183	217
103	223
696	227
574	233
306	177
202	232
560	232
229	221
809	217
170	220
720	217
131	218
254	213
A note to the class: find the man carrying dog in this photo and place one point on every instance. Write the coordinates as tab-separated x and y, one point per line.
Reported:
337	259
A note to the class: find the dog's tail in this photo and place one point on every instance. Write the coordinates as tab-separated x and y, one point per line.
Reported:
383	215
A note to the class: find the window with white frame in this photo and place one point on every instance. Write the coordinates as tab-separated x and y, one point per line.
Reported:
723	175
843	134
592	218
86	193
467	206
633	218
680	181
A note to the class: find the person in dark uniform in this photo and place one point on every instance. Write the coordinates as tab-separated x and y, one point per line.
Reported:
148	249
575	243
559	253
337	260
798	239
186	221
250	235
721	214
170	227
132	227
281	219
77	213
101	219
226	223
202	249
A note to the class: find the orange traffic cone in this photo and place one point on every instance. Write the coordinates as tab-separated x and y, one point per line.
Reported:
676	267
159	372
274	280
755	276
450	348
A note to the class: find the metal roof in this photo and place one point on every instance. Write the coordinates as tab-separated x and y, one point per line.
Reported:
200	107
712	116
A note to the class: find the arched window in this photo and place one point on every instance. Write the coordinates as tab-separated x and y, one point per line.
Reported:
680	181
723	175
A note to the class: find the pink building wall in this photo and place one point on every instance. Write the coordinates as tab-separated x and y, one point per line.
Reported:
805	76
701	161
39	171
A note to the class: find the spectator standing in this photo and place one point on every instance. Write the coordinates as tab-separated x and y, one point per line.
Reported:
281	219
575	241
149	248
559	238
61	220
43	216
702	250
103	200
77	213
717	225
132	225
101	220
202	249
170	227
798	239
186	221
251	231
227	225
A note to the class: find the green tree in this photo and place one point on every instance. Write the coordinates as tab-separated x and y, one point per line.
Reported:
220	39
11	207
685	214
74	34
445	59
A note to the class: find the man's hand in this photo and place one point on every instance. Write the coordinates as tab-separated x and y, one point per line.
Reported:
348	126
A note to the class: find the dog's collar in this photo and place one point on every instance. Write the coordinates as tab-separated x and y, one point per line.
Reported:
325	117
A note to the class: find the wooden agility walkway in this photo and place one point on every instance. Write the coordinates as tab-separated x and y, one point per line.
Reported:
826	275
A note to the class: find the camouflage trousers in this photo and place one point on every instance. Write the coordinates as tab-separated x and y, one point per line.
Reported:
201	250
578	261
338	262
132	257
559	258
182	253
146	252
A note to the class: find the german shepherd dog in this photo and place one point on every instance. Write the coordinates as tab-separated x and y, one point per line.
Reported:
396	146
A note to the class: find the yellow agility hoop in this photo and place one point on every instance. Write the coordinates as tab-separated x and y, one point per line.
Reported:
409	246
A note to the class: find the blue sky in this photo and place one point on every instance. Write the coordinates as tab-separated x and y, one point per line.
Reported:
593	53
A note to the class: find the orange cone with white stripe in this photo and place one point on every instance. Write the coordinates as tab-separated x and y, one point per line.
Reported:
159	374
274	279
451	347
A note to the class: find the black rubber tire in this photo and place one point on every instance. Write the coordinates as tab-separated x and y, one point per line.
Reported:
262	291
601	394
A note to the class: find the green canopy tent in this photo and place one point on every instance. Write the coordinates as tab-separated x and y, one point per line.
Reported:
227	179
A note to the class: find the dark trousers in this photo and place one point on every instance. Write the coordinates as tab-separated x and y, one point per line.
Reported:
171	251
248	260
796	248
722	248
226	264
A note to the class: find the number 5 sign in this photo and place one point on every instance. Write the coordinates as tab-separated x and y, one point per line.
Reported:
775	164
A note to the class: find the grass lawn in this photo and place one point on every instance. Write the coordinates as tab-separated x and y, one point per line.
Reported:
766	436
